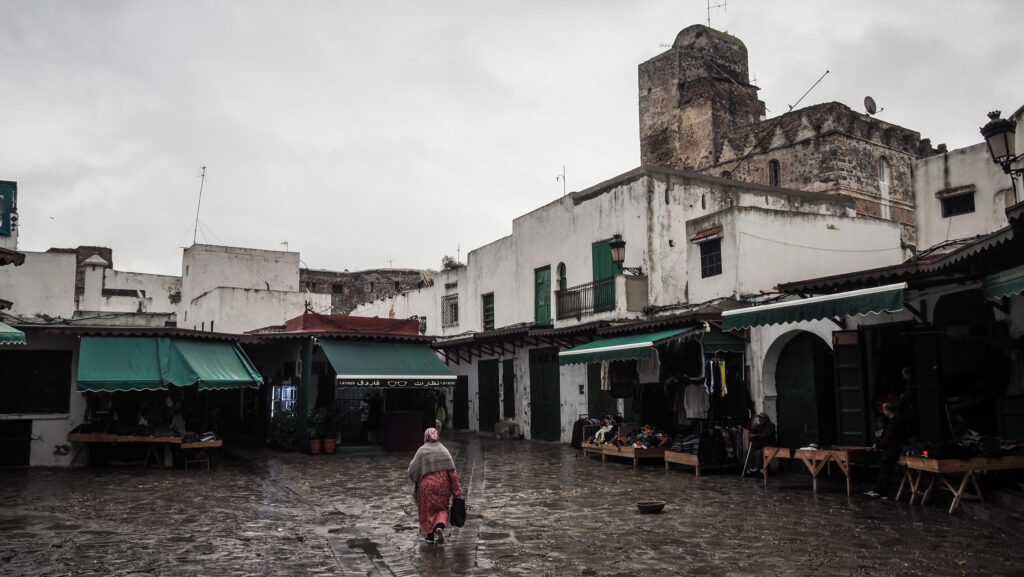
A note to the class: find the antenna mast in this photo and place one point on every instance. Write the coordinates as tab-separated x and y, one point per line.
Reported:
722	6
562	178
199	203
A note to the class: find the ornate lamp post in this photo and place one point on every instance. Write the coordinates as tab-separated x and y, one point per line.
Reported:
1000	136
618	247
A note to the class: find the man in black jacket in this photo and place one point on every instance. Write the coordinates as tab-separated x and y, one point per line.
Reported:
891	445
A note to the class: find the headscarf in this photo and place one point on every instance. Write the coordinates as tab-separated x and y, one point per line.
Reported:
431	435
431	457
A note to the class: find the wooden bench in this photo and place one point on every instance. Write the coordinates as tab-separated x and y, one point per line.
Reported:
919	467
634	453
682	459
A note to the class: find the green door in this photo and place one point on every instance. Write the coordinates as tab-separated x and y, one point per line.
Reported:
545	416
460	403
851	399
804	379
542	295
508	383
487	379
599	403
605	270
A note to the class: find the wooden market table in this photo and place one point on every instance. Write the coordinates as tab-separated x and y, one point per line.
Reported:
816	460
917	468
682	459
630	452
152	443
592	449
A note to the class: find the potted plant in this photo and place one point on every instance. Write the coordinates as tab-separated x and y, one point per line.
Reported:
331	426
314	424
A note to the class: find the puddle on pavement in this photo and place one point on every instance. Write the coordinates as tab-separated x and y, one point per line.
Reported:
493	536
371	549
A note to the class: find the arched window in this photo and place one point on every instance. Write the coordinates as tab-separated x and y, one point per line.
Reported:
562	284
774	173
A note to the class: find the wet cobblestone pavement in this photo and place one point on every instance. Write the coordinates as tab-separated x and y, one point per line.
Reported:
535	509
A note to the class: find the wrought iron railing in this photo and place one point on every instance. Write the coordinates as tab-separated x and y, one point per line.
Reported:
586	299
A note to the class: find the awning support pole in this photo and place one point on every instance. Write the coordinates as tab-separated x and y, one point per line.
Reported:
917	314
303	401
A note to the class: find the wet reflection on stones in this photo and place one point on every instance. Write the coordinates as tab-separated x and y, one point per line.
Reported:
534	509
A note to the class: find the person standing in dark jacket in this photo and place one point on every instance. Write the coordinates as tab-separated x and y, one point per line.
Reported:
890	444
761	435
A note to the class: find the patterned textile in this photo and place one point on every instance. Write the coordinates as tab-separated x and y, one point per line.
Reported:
430	435
432	494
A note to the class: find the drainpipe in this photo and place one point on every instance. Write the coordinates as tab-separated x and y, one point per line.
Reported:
303	400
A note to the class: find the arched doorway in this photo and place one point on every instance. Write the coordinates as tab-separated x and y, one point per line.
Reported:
805	384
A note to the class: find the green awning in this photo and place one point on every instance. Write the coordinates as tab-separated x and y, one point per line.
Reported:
153	363
715	341
386	365
11	336
888	298
1003	284
620	348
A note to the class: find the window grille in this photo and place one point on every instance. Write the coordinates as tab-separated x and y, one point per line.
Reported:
711	258
450	310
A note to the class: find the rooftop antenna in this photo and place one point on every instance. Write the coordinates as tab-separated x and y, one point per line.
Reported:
562	178
710	6
284	243
202	181
871	107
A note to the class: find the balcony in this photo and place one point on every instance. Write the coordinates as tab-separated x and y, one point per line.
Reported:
615	294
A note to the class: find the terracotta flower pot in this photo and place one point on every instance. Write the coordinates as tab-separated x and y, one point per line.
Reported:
314	446
328	446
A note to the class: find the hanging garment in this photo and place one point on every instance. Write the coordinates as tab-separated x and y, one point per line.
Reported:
696	401
721	378
606	376
693	360
649	369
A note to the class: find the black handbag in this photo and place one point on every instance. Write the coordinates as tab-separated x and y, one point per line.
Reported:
457	517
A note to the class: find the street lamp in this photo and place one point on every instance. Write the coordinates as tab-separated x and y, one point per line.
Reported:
618	248
1000	136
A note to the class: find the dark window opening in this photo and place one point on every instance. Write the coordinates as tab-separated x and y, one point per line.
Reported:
338	289
35	382
959	204
774	173
711	258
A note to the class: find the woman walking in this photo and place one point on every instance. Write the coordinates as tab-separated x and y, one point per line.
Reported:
433	471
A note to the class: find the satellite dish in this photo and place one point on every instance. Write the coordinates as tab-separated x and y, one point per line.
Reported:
869	105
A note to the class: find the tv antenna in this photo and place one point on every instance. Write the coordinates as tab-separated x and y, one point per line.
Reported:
711	6
202	181
871	107
562	178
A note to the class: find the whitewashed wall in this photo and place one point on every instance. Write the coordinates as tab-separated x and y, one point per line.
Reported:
970	166
206	267
44	284
236	310
762	248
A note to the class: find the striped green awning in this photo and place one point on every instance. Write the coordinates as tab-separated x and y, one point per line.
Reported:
386	365
621	348
153	363
1003	284
11	336
888	298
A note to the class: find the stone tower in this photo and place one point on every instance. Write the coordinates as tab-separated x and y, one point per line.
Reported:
691	97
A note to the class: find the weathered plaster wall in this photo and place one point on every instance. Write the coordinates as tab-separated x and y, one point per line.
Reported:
236	310
44	284
206	267
349	289
154	293
967	170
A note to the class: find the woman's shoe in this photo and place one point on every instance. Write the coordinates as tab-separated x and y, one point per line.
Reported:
438	535
429	538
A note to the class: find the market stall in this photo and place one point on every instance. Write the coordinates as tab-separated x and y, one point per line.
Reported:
139	389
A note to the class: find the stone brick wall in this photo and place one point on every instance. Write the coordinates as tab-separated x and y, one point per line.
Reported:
699	113
348	289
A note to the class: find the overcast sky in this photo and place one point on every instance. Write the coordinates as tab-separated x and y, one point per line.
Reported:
372	134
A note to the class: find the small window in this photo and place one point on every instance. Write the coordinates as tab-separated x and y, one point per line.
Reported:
488	311
338	289
774	173
711	258
211	326
398	286
562	281
959	204
450	310
883	171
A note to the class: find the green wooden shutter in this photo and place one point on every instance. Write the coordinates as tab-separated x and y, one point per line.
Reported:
542	295
7	190
605	270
